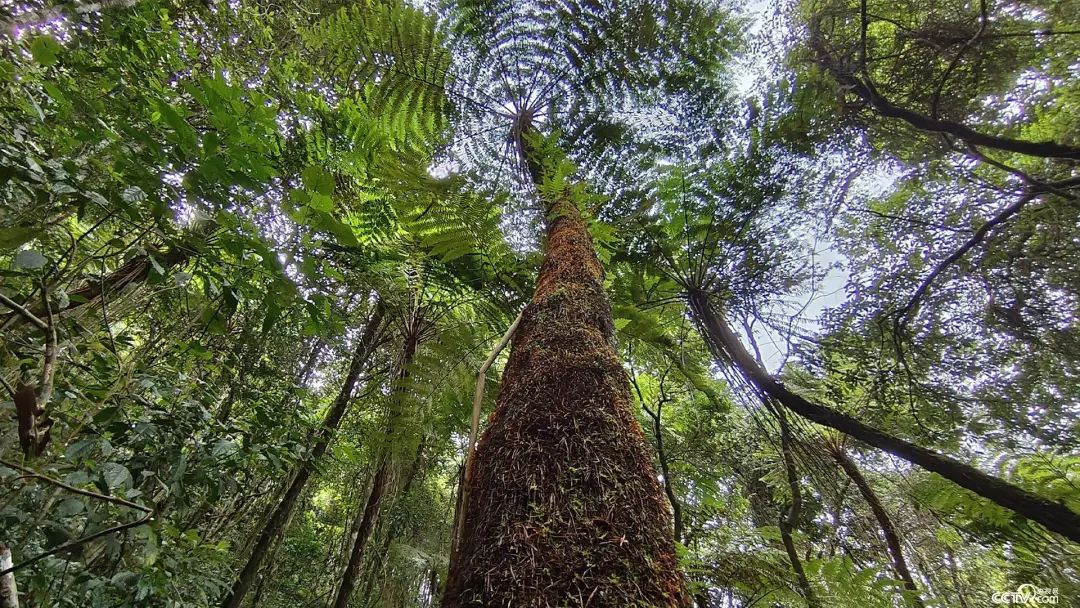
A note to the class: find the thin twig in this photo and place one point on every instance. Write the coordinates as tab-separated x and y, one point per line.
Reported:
26	314
48	367
70	488
979	236
79	541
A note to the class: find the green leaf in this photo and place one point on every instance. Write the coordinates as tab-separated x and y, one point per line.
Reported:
316	179
321	202
106	414
116	475
10	238
45	50
185	134
28	259
133	194
70	506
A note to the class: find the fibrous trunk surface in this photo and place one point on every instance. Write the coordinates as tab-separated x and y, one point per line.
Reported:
564	507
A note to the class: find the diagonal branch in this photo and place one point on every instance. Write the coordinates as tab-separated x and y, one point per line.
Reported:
980	235
74	490
1043	149
1055	516
23	312
865	89
79	541
48	367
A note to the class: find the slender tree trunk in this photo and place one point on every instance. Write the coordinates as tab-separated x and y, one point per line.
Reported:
384	483
363	533
796	564
892	539
321	440
394	531
661	456
1053	515
958	586
565	507
790	521
9	593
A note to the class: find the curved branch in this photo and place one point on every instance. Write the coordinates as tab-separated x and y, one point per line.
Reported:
1042	149
1055	516
977	238
865	89
23	312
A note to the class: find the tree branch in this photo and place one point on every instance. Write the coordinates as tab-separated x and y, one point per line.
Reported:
56	482
23	312
48	366
980	235
1043	149
865	89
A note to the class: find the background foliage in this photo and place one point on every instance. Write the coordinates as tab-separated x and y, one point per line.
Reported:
202	205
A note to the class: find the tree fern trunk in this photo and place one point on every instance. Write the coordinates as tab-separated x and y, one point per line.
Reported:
790	520
564	506
368	518
1055	516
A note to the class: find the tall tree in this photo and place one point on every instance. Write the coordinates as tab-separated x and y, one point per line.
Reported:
389	474
319	440
563	448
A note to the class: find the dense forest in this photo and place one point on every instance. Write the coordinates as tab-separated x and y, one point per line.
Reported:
530	303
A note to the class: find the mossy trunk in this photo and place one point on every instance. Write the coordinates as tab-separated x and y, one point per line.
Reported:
564	507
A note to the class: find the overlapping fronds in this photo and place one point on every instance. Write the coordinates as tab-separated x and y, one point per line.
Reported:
384	67
572	67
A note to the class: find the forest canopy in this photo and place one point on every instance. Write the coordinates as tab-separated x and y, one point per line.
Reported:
402	303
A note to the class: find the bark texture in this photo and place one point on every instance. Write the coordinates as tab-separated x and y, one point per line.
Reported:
1055	516
564	507
275	523
9	593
